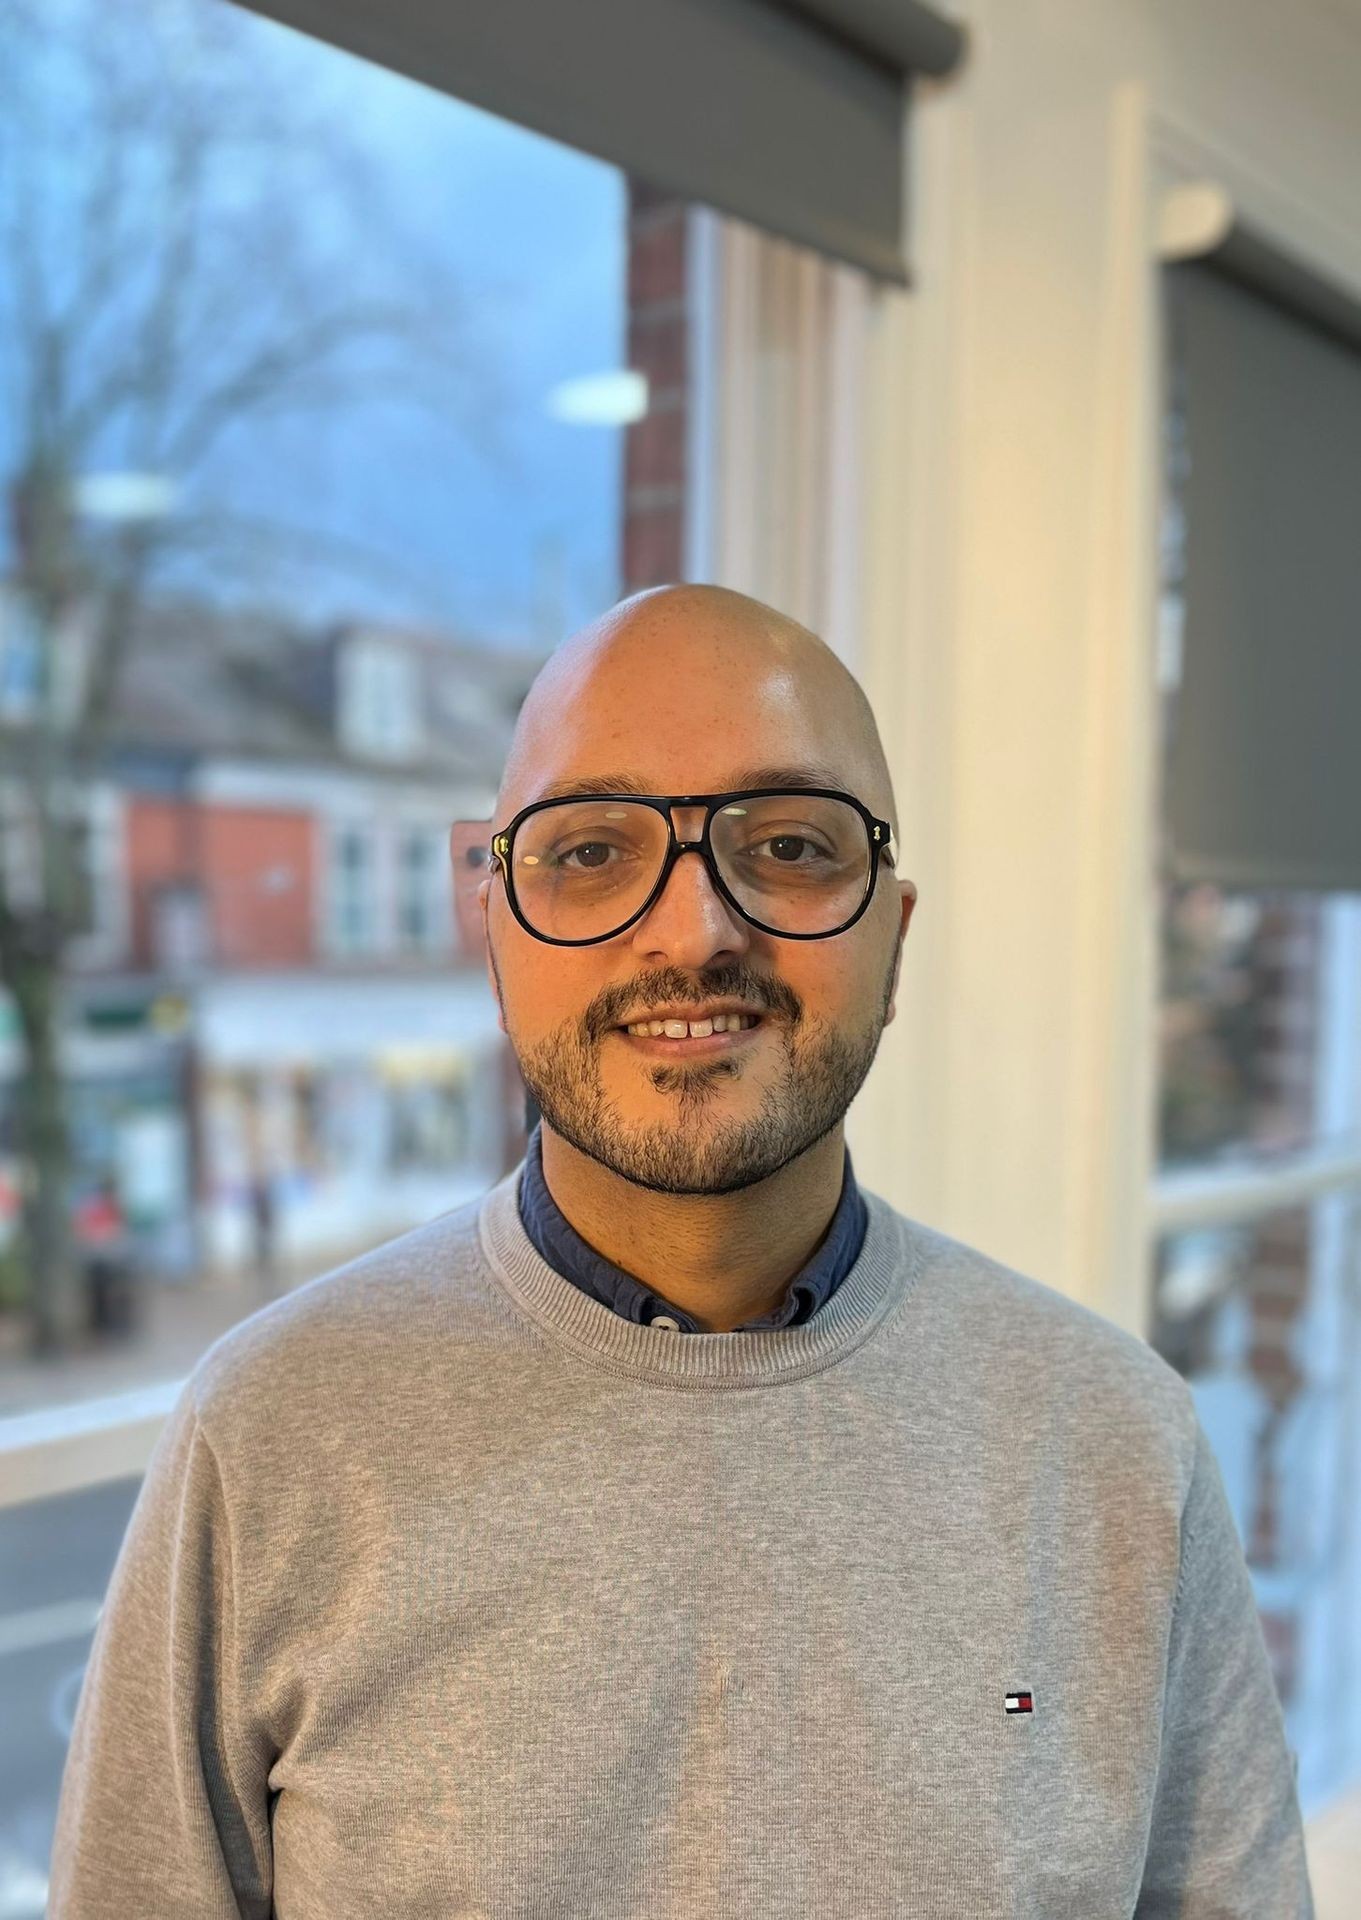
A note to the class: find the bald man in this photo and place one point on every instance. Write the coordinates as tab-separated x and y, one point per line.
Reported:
709	1167
679	1529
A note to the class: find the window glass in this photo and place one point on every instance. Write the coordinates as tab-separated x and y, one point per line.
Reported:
313	447
423	905
354	894
1259	1316
331	405
1256	1301
1260	1051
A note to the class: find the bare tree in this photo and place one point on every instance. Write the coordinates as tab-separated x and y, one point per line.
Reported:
173	268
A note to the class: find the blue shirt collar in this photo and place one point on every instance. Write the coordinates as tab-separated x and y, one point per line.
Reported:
564	1249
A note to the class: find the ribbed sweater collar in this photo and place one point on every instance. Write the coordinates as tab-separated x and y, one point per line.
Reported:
883	1273
565	1250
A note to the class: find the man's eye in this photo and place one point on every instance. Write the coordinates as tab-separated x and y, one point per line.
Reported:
795	839
591	848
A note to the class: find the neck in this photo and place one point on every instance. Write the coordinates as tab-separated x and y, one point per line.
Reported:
723	1258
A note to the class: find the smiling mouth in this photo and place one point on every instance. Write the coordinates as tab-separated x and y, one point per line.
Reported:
663	1044
674	1025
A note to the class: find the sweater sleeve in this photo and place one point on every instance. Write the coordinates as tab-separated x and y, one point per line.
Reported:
164	1803
1226	1840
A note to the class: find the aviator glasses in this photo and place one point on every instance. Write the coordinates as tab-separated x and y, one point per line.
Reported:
798	863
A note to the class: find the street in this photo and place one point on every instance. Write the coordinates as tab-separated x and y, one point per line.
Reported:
56	1556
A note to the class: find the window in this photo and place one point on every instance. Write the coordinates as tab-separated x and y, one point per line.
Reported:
1254	1294
380	700
485	386
424	906
354	900
89	857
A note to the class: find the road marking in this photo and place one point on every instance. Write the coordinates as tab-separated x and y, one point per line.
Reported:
48	1626
23	1887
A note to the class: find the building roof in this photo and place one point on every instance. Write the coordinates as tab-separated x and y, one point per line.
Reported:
202	682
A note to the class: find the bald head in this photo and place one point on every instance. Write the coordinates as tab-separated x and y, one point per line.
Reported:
638	687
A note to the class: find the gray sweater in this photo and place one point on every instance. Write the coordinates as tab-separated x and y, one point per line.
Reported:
450	1592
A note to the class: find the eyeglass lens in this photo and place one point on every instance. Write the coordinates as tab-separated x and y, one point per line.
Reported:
795	862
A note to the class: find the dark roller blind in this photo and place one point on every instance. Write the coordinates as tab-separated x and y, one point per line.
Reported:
789	113
1265	757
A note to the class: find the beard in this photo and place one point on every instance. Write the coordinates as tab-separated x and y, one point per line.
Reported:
702	1147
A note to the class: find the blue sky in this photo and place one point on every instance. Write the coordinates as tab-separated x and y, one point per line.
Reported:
518	540
535	232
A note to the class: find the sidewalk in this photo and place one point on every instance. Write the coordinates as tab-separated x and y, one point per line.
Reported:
179	1321
1333	1843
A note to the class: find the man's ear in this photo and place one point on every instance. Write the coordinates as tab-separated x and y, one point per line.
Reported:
908	890
469	846
468	850
483	897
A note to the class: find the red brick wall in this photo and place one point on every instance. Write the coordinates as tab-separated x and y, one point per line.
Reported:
255	866
159	848
652	549
260	868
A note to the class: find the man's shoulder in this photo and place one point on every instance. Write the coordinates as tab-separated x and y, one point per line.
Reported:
379	1310
1040	1355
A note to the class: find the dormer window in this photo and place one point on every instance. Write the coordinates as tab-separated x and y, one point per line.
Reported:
379	698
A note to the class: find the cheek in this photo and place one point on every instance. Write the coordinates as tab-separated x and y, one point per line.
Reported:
827	993
541	989
846	990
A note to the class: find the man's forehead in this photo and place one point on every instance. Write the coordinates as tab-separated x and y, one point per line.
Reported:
791	773
587	724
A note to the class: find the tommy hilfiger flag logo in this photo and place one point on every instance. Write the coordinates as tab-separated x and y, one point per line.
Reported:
1019	1703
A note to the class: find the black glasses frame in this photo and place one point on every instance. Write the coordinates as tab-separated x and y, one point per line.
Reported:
879	835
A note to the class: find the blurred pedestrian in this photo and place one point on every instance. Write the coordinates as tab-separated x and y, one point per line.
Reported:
264	1228
101	1232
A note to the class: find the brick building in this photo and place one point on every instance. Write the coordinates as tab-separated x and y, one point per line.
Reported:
272	987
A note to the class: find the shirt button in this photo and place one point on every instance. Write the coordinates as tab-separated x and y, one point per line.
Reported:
665	1320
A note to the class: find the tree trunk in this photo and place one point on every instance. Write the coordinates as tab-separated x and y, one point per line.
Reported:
46	1242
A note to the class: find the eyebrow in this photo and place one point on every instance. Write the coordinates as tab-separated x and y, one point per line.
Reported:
637	783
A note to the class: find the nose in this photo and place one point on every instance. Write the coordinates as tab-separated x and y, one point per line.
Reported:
690	923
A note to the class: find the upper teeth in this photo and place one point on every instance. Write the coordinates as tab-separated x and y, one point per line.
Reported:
695	1029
